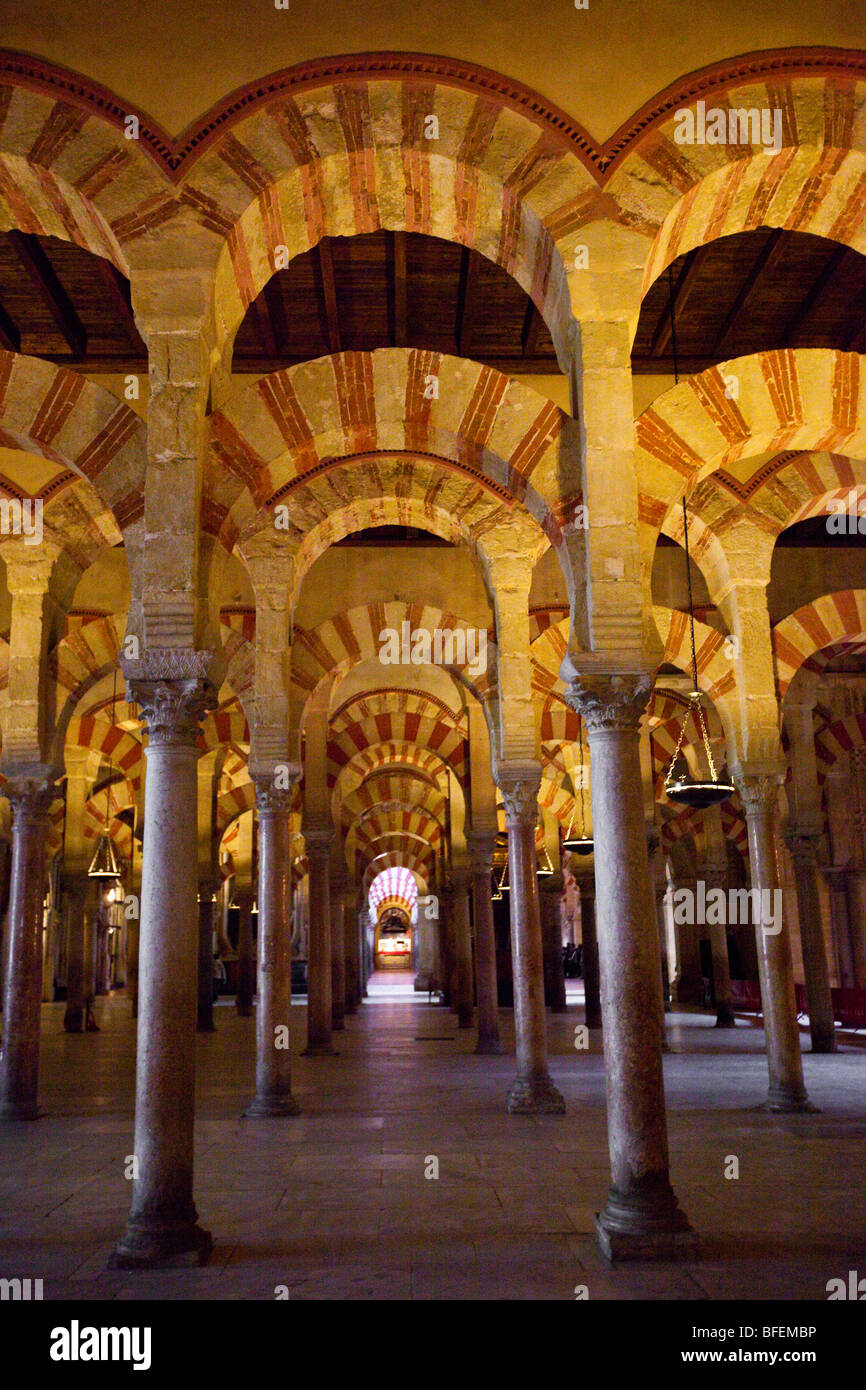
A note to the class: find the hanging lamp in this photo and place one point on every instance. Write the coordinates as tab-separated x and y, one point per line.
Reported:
104	863
582	843
689	790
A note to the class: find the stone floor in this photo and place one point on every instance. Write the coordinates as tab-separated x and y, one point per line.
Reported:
335	1203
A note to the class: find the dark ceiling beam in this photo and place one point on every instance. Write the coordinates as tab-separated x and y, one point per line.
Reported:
531	331
10	334
117	289
274	309
42	275
806	305
401	295
470	266
857	340
664	366
767	256
684	284
264	326
329	289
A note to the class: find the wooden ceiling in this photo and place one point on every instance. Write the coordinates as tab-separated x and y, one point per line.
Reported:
754	291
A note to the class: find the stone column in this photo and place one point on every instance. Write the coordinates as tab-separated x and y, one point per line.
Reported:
319	1008
837	880
551	931
206	895
821	1023
338	950
532	1091
76	893
446	947
481	863
716	876
273	1013
787	1091
246	955
589	937
464	984
162	1228
642	1218
352	953
30	795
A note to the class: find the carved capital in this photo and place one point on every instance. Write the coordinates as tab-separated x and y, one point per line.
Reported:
480	848
758	791
803	848
272	800
31	797
317	841
519	784
714	875
608	703
174	687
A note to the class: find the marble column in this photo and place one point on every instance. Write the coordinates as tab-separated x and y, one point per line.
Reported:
837	880
162	1228
319	1006
30	797
486	986
775	971
550	895
642	1218
352	942
819	1001
464	991
589	957
446	948
532	1091
206	895
716	876
76	898
246	955
338	951
273	1012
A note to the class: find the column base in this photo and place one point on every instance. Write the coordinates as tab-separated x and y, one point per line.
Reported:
724	1017
646	1225
207	1026
338	1026
535	1095
823	1045
161	1246
244	1010
271	1107
73	1021
19	1110
782	1101
319	1050
465	1022
558	1008
351	1008
489	1047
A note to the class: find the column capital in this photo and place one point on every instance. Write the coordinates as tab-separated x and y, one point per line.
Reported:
174	687
713	874
317	840
480	845
758	790
519	784
271	797
802	843
611	703
29	567
31	793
